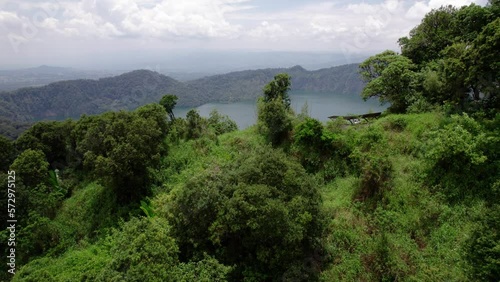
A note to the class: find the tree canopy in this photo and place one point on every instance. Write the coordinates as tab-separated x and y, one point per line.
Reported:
274	109
168	102
451	58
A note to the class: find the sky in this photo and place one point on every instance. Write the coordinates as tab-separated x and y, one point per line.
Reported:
87	32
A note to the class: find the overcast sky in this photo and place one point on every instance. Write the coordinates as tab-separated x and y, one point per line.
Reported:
65	32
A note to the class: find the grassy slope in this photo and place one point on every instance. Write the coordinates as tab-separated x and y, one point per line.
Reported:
411	233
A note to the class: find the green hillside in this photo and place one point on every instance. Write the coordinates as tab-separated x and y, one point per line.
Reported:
141	195
371	205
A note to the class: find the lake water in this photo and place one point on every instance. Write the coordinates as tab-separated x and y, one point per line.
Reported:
321	105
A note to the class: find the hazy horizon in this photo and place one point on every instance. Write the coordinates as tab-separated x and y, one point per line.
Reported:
203	36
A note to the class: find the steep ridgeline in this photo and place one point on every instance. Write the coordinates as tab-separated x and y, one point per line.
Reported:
76	97
248	84
71	99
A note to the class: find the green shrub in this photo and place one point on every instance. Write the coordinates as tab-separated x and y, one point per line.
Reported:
461	156
376	173
483	247
82	263
320	149
206	270
260	213
142	250
274	120
221	124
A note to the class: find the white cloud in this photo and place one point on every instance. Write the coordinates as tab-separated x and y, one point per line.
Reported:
158	19
268	31
307	25
420	8
50	23
9	20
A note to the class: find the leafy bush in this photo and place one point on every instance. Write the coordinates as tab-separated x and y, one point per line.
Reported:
483	248
195	125
206	270
458	158
36	191
119	148
376	172
320	149
142	250
221	124
274	121
52	138
261	213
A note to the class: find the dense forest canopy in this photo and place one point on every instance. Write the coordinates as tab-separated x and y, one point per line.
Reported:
143	195
450	58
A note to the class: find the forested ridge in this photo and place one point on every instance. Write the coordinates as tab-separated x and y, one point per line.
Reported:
71	99
414	195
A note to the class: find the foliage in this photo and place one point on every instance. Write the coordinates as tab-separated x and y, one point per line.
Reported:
259	213
483	248
206	270
450	58
142	250
462	147
274	110
37	235
10	128
87	214
121	147
31	167
376	171
391	78
221	123
486	67
274	120
52	138
7	153
35	191
147	209
431	36
320	149
278	89
195	125
259	216
168	102
82	264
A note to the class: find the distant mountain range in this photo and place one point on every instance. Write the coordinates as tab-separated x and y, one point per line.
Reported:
42	75
72	98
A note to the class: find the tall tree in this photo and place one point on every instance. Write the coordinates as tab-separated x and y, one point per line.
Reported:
391	78
121	147
168	102
430	37
468	22
485	56
274	109
195	124
278	89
